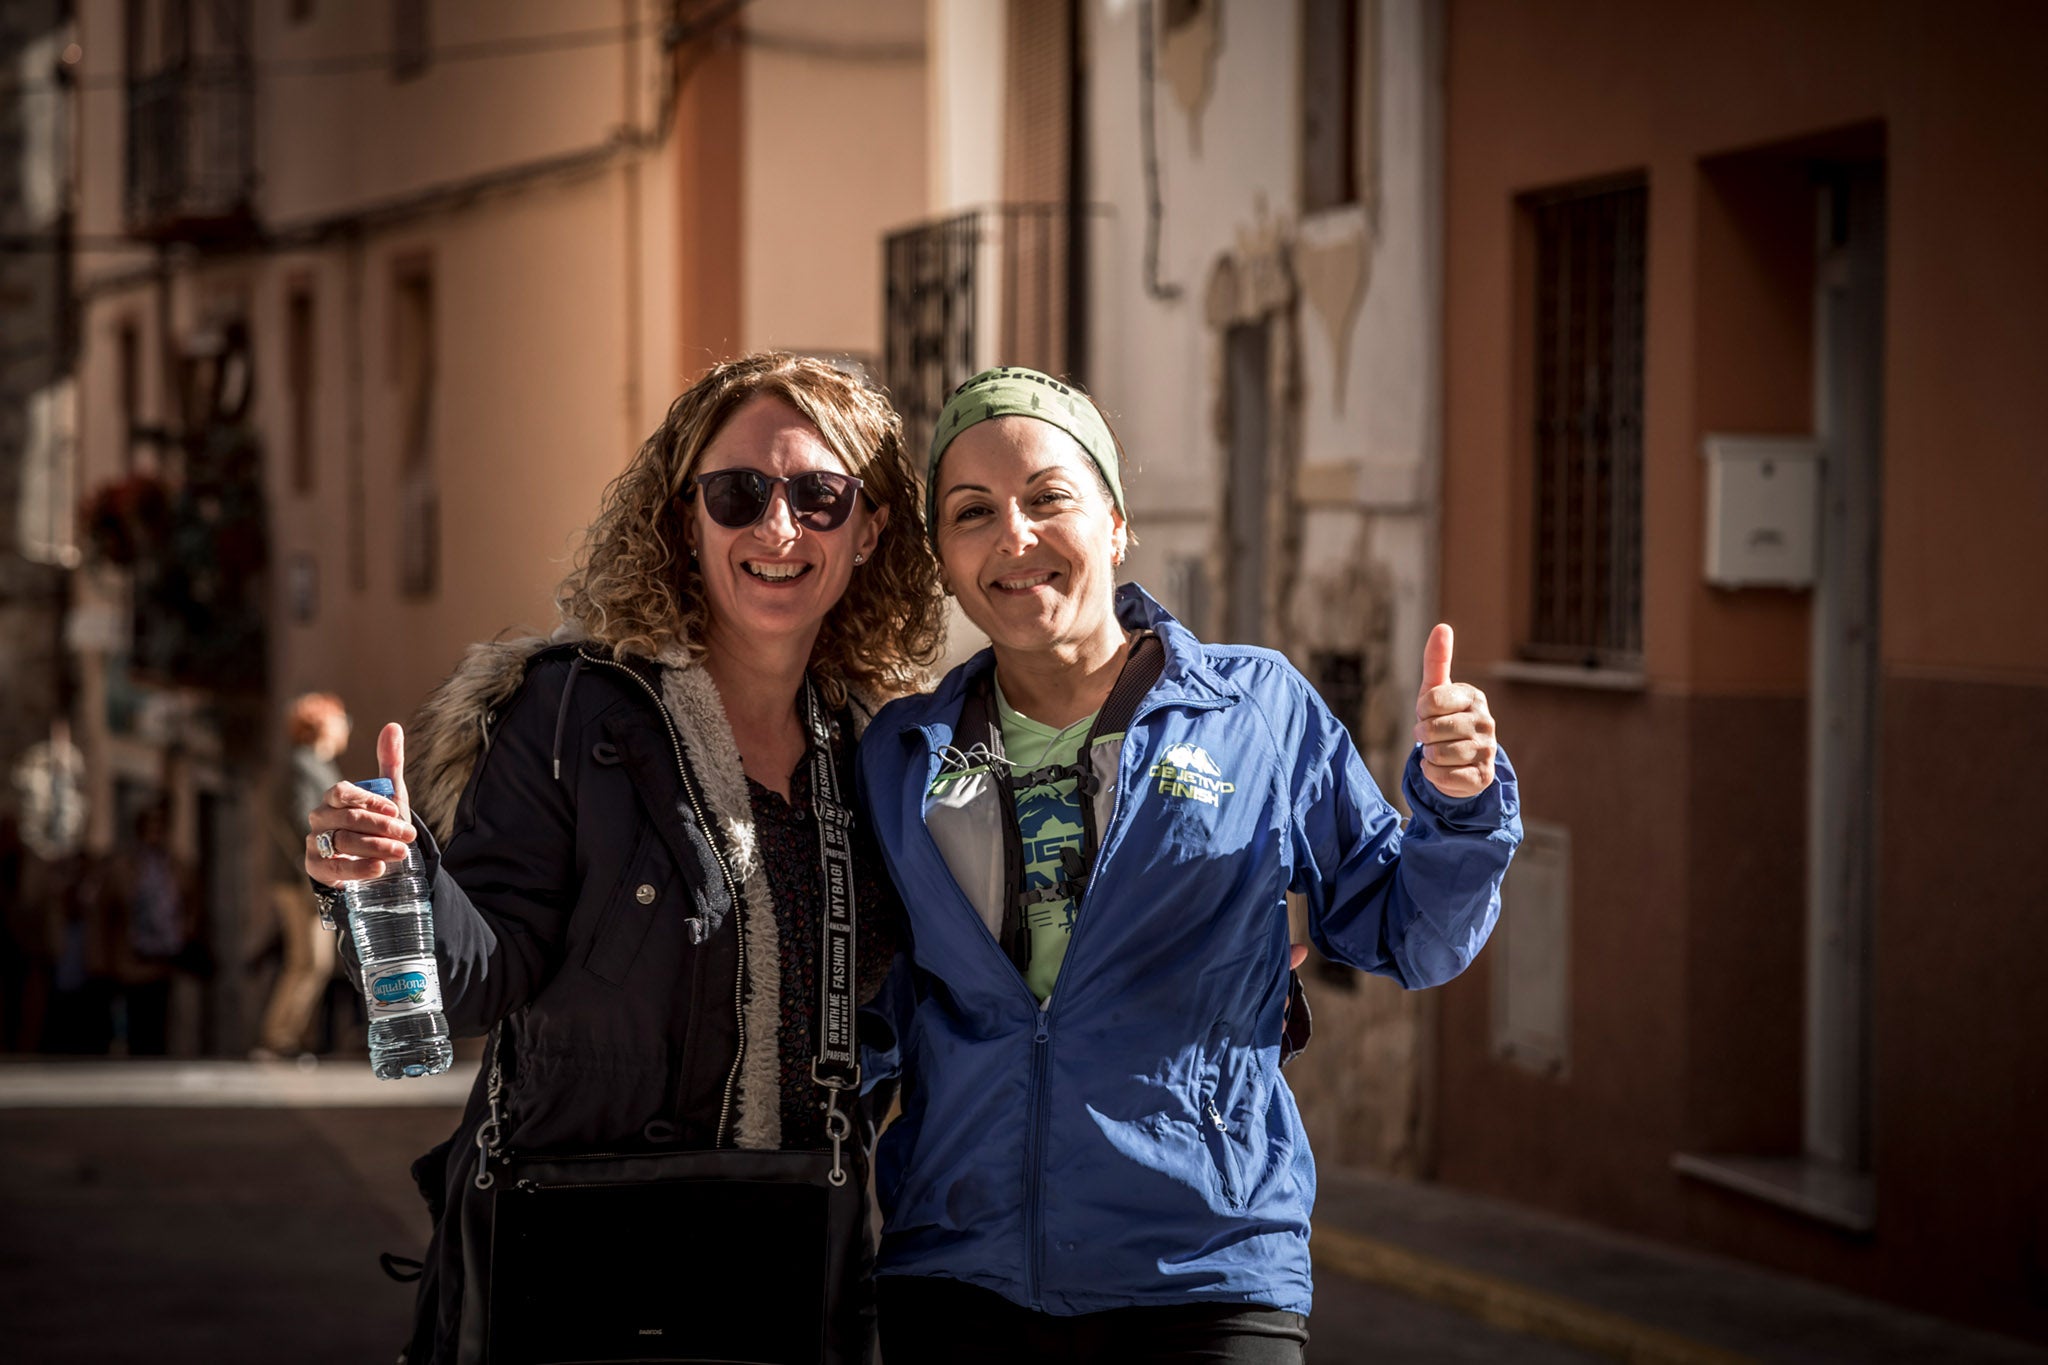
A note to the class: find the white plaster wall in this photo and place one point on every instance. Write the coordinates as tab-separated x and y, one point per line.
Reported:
969	43
1153	358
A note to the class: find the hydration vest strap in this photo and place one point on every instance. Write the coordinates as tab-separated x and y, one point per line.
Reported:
980	719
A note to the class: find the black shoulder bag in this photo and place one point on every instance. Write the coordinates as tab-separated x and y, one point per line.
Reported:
723	1255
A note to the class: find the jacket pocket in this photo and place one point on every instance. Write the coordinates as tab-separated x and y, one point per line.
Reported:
1216	1136
1225	1149
639	894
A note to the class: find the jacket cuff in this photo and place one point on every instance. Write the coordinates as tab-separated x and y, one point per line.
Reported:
1498	807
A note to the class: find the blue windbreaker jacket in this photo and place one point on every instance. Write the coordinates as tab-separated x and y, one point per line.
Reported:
1133	1142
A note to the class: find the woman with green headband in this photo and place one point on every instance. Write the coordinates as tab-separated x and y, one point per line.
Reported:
1095	825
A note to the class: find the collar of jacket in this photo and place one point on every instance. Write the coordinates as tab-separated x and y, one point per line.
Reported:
1186	677
453	727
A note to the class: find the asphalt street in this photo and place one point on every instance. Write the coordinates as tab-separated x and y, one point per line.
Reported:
234	1212
230	1213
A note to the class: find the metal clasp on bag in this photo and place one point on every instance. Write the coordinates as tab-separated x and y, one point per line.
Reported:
487	1131
838	1123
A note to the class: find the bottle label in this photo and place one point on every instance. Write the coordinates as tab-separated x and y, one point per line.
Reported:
406	986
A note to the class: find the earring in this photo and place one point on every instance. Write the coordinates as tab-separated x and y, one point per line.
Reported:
860	559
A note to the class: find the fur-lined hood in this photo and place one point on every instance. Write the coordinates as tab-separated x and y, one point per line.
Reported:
450	732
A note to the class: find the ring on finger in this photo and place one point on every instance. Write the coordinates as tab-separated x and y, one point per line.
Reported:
324	841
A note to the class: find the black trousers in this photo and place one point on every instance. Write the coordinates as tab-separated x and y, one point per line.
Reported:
931	1321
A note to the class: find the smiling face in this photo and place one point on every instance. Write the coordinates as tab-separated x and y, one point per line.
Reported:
1028	539
770	585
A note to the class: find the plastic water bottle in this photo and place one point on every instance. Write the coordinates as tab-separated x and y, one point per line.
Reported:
392	920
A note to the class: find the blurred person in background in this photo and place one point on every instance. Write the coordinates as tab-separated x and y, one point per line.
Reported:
80	931
318	727
149	914
1094	826
629	855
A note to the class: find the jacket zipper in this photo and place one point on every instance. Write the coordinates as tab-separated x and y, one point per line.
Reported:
739	919
1034	1214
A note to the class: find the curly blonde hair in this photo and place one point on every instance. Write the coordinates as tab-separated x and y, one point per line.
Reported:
635	588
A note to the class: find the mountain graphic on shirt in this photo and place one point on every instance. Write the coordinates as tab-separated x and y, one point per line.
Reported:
1047	828
1192	758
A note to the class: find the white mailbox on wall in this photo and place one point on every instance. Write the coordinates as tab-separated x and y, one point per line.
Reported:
1763	510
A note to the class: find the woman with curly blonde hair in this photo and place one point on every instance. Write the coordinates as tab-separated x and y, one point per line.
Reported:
646	891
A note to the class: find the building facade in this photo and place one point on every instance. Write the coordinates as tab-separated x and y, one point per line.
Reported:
381	297
37	546
1742	503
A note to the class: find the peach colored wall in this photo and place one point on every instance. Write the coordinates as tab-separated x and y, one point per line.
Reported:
1658	87
340	139
710	242
1752	374
1966	483
1686	801
818	189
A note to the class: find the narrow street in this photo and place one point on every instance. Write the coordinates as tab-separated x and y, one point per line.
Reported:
226	1233
234	1212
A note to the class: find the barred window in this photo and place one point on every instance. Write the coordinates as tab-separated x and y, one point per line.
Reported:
1329	103
414	372
301	343
1587	570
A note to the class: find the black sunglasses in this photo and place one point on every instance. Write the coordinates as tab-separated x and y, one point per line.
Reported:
819	499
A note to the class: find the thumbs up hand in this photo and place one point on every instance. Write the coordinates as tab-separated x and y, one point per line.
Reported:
391	764
354	832
1452	725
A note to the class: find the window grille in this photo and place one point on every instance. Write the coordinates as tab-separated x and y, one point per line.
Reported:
189	158
929	333
987	287
1587	579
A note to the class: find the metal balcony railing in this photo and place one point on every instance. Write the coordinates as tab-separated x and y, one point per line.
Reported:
1002	285
191	168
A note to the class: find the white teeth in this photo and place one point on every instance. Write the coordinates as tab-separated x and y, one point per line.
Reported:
1030	581
777	573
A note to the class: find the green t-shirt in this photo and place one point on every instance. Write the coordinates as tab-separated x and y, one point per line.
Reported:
1048	822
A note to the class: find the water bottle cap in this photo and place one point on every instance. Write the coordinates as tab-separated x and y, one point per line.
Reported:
382	786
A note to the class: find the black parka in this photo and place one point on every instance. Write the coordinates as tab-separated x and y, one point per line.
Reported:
592	892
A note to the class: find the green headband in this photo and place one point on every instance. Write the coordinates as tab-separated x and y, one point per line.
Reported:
1013	391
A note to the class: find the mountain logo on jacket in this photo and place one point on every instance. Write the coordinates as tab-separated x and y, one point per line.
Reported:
1186	770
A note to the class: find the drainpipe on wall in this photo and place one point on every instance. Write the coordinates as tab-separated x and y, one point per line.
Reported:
1428	1022
1077	193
